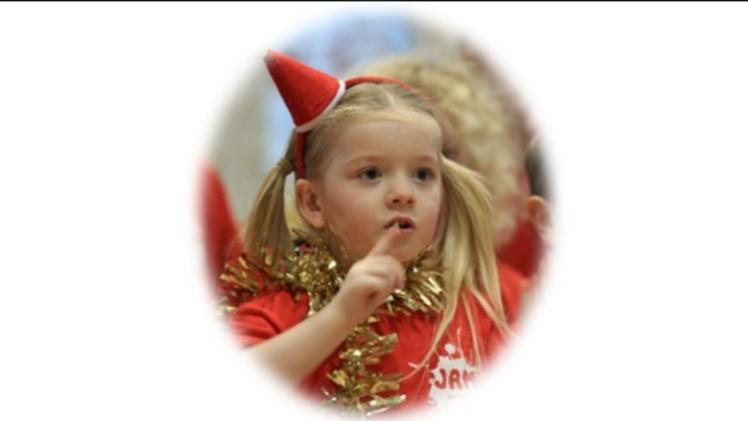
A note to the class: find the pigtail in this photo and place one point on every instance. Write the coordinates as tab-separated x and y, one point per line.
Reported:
267	235
466	243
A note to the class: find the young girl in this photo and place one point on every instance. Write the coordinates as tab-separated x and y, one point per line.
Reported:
390	295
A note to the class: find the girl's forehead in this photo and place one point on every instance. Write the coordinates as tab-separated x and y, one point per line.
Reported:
401	126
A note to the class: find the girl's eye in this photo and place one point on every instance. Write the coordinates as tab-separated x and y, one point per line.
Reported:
370	174
424	174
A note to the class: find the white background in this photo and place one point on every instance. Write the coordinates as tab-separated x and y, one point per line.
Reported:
106	109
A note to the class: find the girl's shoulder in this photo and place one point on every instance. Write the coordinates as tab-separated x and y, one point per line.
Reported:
267	314
256	307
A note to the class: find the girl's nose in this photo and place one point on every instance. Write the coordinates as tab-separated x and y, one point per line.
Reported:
400	194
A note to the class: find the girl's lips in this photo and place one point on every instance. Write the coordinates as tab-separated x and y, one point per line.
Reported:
403	222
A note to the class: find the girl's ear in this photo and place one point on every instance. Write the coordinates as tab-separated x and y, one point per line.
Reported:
308	204
540	215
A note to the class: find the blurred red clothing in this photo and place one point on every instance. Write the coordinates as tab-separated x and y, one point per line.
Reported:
219	229
524	251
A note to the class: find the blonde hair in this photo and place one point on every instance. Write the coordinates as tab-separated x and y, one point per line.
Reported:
462	238
488	129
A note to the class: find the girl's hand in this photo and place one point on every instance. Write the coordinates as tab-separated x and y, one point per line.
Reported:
371	280
367	285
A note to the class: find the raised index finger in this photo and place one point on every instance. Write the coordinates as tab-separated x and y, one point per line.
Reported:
387	241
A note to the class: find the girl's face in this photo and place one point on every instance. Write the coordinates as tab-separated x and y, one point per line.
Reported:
383	170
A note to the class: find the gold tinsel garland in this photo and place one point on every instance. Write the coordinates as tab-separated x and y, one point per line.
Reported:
313	270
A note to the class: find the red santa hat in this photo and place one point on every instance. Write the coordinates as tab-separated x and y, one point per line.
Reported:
309	94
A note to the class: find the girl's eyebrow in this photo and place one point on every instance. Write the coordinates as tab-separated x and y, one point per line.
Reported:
366	158
429	158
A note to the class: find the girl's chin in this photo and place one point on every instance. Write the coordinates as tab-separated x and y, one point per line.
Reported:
401	256
405	257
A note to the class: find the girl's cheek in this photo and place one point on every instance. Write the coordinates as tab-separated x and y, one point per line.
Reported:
437	202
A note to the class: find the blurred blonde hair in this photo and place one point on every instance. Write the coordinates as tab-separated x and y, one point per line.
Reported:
461	239
487	128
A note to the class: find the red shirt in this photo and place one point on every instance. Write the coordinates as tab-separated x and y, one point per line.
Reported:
450	371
